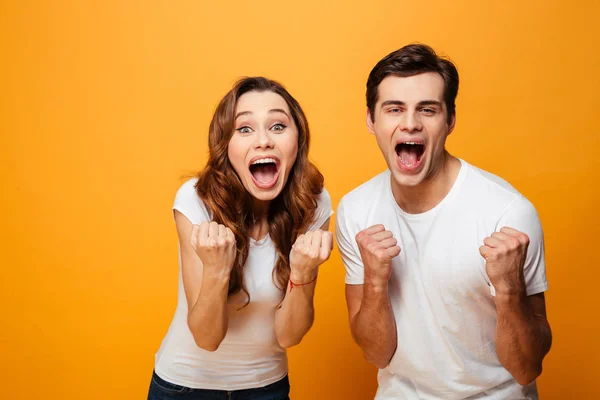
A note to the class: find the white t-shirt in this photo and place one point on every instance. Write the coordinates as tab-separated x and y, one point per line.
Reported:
439	290
249	356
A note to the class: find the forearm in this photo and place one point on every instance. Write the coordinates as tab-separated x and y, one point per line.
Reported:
208	318
522	339
374	326
296	314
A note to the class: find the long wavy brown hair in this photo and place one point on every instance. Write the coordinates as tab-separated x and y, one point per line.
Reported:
223	193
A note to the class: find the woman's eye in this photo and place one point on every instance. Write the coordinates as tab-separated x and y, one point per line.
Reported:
244	129
278	127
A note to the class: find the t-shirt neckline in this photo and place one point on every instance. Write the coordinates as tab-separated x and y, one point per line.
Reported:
453	190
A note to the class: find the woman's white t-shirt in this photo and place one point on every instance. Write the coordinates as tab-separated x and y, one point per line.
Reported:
249	356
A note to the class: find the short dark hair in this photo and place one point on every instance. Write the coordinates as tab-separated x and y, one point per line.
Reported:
411	60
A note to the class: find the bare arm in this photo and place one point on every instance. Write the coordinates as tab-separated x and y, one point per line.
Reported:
371	317
296	314
206	289
523	335
372	322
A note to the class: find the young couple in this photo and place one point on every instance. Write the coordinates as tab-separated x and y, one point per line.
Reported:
445	270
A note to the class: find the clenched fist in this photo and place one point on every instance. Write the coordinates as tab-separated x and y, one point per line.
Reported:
308	252
377	248
215	245
504	253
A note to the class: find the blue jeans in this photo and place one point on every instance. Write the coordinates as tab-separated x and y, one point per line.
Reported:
163	390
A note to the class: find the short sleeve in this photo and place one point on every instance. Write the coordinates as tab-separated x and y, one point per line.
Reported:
346	241
522	216
323	211
189	204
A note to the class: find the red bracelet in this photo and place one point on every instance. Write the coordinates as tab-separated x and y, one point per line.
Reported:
293	285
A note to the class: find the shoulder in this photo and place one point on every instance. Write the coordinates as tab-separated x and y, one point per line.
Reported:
489	189
323	210
188	189
190	204
367	192
365	205
497	196
324	199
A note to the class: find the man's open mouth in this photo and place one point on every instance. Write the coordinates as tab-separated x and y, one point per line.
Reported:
410	153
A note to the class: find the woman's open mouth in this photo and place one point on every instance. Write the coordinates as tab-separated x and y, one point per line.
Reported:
264	171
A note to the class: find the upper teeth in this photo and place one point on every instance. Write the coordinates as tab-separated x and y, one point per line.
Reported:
411	143
264	161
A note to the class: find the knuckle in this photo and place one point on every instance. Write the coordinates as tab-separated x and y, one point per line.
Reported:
513	243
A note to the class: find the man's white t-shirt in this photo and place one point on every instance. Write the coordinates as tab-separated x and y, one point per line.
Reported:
249	356
439	290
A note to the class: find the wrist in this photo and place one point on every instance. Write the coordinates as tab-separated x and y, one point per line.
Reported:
509	299
300	277
376	285
216	277
509	289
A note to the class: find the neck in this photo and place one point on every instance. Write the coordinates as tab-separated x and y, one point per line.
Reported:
431	191
259	225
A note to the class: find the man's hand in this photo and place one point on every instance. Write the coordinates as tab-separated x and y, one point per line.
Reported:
377	248
504	253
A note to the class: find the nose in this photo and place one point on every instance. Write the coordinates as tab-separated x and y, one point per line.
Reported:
263	140
410	122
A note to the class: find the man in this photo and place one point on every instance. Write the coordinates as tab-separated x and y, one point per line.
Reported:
445	268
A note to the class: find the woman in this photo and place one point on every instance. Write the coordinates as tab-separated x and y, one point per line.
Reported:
253	229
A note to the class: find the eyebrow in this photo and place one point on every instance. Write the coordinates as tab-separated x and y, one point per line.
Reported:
274	110
419	104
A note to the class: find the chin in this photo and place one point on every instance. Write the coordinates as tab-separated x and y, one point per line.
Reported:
263	194
407	181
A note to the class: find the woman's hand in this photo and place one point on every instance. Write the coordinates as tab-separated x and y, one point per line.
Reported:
215	245
310	250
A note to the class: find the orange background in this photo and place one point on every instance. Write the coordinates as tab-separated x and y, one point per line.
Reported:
106	104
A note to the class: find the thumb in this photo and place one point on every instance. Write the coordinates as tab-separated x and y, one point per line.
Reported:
484	251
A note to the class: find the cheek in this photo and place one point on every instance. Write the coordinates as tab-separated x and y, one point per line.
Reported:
384	130
236	154
293	152
384	138
438	139
289	147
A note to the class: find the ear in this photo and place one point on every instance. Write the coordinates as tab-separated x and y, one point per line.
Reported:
452	123
370	122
